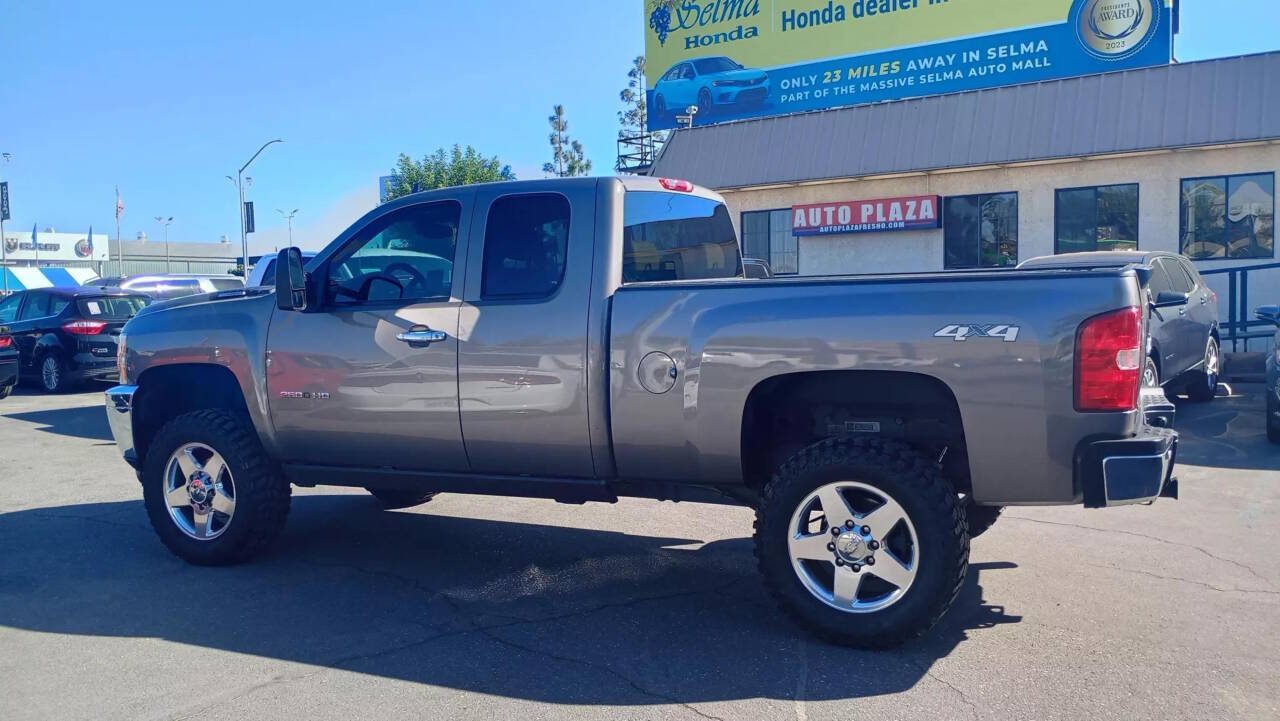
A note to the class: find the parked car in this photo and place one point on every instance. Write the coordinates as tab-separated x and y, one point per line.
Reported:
170	285
68	335
874	423
1184	353
1271	314
757	268
708	83
264	273
8	362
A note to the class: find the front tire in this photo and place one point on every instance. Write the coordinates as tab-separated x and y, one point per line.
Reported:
211	493
1273	423
5	391
1150	374
53	373
393	498
885	564
1205	387
705	104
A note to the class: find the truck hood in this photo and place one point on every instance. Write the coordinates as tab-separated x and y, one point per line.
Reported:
190	300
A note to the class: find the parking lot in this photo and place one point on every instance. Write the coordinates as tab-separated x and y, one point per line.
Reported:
482	607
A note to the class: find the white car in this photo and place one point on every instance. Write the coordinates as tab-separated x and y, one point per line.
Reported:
264	273
164	286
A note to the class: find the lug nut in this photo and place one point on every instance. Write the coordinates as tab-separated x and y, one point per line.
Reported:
866	530
869	560
849	524
839	561
856	567
831	546
874	545
835	531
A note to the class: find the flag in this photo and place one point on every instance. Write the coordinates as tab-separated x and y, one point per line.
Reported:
119	204
34	244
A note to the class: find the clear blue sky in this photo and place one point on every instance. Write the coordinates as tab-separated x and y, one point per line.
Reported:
165	99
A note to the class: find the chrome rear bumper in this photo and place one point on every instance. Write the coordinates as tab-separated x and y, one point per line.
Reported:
1131	470
120	419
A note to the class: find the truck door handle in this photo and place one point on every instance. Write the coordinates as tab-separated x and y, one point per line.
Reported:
423	335
1182	311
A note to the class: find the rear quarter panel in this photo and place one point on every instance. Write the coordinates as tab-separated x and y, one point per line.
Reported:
1016	399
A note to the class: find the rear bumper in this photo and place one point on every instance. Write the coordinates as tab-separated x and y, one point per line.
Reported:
1129	470
8	372
120	419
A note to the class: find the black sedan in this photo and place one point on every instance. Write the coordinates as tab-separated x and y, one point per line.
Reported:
67	335
1271	314
1184	354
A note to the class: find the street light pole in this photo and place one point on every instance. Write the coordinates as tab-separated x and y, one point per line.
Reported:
4	253
244	237
289	217
165	222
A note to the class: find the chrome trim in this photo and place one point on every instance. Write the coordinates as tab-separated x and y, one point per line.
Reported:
1136	464
119	402
422	336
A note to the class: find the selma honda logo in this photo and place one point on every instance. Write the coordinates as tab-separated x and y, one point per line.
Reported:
1115	29
700	16
962	333
866	216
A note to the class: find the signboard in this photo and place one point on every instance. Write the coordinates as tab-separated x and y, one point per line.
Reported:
248	216
749	58
56	246
915	212
4	201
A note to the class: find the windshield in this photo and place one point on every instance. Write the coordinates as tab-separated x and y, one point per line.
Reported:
116	307
707	66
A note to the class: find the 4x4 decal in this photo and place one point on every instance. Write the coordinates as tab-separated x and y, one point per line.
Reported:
960	333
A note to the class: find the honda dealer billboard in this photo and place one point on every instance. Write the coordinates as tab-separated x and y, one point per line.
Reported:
748	58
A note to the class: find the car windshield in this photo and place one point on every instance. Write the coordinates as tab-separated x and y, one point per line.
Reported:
707	66
111	307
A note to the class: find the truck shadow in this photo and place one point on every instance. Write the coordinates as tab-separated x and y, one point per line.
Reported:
79	422
544	613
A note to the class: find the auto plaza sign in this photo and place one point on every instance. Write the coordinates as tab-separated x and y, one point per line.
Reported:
750	58
916	212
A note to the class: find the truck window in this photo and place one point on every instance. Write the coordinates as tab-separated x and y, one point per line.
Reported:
671	236
526	239
404	255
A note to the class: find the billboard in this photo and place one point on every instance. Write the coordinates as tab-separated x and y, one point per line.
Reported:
55	246
737	59
916	212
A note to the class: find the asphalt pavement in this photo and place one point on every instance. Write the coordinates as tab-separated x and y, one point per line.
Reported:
476	607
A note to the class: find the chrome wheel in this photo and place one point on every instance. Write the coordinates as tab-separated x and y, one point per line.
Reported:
199	491
51	373
1150	375
1212	363
853	547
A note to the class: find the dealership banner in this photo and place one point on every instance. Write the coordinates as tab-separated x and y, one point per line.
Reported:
866	216
55	246
737	59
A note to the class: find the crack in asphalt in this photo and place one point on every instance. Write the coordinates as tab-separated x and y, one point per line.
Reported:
1202	584
1149	537
924	671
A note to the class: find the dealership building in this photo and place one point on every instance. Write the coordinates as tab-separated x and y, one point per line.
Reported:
1179	158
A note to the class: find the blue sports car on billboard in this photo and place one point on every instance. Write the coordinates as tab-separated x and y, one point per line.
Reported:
709	83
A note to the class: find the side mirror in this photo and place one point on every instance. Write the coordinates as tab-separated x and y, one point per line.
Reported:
291	280
1170	299
1269	313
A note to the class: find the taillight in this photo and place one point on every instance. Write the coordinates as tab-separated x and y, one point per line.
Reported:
6	341
84	327
680	186
1109	361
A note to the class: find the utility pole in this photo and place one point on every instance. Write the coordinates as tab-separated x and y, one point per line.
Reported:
289	217
244	237
4	254
165	222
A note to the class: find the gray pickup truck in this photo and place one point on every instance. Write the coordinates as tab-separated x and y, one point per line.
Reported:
586	339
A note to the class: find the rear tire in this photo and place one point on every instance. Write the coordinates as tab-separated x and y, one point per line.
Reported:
261	493
5	391
910	486
394	498
982	518
1273	424
1205	385
53	373
1150	374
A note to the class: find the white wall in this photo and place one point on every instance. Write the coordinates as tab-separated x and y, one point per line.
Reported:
1158	176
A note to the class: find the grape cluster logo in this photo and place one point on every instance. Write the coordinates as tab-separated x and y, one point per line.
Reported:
660	21
1115	29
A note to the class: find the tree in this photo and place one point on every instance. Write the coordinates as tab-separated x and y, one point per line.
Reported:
443	169
638	144
568	159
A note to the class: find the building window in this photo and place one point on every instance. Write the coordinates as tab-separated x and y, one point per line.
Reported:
980	231
1100	218
766	234
1231	216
